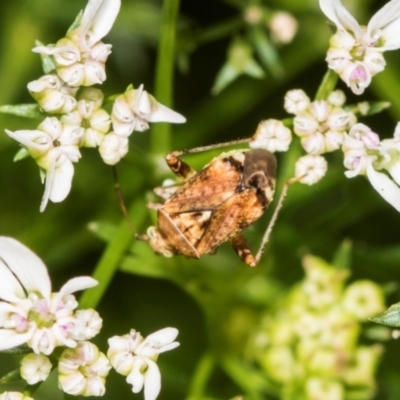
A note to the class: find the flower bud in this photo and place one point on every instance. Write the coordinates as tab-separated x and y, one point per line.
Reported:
310	169
271	135
113	148
35	368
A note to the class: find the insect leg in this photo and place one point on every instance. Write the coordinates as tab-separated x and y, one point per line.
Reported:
242	249
274	218
184	170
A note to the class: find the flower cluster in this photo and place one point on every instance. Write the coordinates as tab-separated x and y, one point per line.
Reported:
74	111
355	52
32	316
310	344
135	357
366	154
30	313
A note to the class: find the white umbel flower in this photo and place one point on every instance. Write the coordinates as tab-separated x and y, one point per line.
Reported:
356	51
365	154
133	110
29	312
135	358
83	370
54	146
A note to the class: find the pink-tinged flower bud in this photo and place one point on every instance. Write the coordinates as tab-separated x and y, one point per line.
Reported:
83	370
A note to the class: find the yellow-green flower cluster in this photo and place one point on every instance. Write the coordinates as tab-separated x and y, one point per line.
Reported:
309	346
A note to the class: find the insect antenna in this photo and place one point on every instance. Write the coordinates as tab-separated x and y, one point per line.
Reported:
274	217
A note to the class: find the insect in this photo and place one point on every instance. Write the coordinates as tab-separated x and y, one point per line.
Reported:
216	204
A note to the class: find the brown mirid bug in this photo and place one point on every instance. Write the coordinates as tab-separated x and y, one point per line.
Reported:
217	203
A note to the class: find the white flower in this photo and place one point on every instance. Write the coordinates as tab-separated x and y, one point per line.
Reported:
356	51
271	135
133	110
310	168
54	146
29	313
35	368
80	56
92	121
321	127
135	358
366	155
83	370
14	396
113	148
52	95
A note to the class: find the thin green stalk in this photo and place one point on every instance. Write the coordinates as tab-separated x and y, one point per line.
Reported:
201	376
327	85
161	133
111	259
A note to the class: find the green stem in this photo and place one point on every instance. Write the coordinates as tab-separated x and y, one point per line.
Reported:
161	133
327	85
111	259
201	376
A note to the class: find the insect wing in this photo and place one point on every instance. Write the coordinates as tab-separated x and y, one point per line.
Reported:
209	188
230	218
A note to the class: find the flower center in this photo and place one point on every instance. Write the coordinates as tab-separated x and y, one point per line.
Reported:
40	315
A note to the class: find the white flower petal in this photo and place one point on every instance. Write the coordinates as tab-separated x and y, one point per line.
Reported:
10	339
152	381
162	337
162	113
26	266
338	14
388	20
72	286
99	17
384	186
61	182
10	288
394	171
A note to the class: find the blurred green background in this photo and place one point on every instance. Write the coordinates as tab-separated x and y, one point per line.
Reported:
196	296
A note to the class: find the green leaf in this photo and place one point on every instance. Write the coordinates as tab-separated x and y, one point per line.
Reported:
76	22
391	317
267	52
10	377
22	110
342	256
